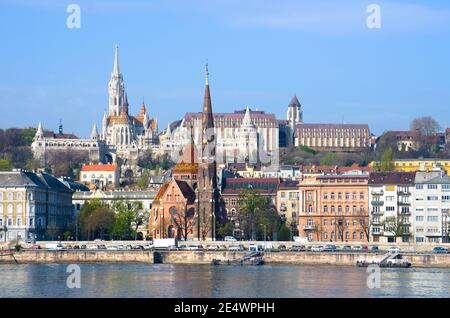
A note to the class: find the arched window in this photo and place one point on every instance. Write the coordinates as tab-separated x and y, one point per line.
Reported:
10	208
19	208
354	235
19	196
10	196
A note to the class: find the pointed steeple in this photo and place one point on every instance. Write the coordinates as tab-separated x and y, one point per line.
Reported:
94	132
116	68
40	131
207	116
247	121
294	102
60	128
143	108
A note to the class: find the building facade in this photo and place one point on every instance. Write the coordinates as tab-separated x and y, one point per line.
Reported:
33	206
101	175
289	204
333	137
334	208
431	207
243	136
390	204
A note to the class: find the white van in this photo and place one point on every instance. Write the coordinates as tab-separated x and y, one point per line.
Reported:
229	239
54	246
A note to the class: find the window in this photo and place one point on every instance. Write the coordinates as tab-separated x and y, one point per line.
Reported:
361	195
332	195
325	222
310	196
31	222
432	186
361	235
361	208
354	235
339	196
354	222
19	196
339	208
419	239
325	196
347	196
390	208
432	218
310	208
332	209
354	195
432	198
419	186
325	235
283	195
347	208
1	196
446	187
1	222
19	221
446	198
9	221
10	196
419	218
325	208
347	235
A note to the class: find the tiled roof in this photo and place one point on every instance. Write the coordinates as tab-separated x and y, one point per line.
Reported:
392	178
334	126
99	167
25	178
51	134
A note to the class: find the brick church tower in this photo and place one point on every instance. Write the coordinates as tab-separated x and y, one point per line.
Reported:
207	193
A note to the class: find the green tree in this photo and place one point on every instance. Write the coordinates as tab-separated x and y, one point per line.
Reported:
257	216
387	160
330	159
103	221
225	230
5	165
284	233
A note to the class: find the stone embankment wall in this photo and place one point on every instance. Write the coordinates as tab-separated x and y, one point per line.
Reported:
206	257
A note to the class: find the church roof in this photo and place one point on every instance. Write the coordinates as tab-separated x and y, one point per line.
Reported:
99	167
294	102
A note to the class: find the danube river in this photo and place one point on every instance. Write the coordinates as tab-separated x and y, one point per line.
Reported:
141	280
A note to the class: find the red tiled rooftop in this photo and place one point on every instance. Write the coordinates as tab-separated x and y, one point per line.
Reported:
99	167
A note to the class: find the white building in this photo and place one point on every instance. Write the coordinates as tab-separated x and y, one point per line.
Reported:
242	136
431	206
101	175
33	206
390	206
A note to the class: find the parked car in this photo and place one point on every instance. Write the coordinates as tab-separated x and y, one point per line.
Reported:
36	247
255	248
374	249
347	248
138	247
120	247
317	248
330	248
356	248
236	248
394	249
101	247
83	247
282	247
230	239
440	250
111	248
297	248
365	248
129	247
193	247
148	247
212	247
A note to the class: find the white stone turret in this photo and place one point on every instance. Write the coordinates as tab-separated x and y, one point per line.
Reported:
39	132
94	133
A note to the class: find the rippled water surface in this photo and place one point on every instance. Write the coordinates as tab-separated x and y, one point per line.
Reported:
141	280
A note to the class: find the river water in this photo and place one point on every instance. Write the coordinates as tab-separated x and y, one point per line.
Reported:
162	280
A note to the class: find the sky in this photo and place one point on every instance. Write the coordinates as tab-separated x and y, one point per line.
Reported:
259	53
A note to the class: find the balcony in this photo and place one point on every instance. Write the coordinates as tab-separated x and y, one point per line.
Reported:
403	193
376	222
377	192
405	212
309	227
377	212
377	202
404	203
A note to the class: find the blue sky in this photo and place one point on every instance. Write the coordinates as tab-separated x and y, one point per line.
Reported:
260	53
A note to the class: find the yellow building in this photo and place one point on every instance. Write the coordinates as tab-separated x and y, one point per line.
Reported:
410	165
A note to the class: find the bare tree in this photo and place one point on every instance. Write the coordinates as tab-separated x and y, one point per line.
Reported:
184	220
427	125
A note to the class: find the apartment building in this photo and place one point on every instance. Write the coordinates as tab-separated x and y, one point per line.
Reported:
431	207
390	200
334	208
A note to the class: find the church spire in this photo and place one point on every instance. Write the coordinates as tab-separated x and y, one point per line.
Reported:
40	131
94	132
247	121
116	69
207	116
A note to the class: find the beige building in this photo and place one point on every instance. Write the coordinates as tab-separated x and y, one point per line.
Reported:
289	204
333	137
101	175
33	206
